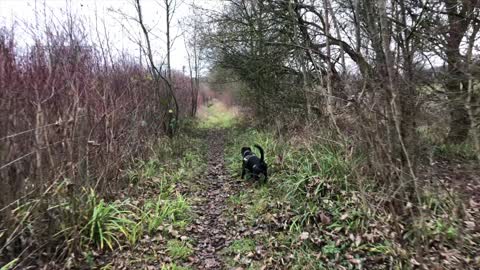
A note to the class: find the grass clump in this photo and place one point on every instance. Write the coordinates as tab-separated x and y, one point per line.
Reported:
435	138
238	199
172	160
241	246
106	222
178	249
455	151
239	252
161	211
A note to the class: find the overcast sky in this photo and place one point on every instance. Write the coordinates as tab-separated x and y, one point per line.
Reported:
22	15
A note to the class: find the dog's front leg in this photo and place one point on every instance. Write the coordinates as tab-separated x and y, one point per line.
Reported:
243	169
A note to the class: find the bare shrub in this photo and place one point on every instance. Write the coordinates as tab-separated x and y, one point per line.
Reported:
69	122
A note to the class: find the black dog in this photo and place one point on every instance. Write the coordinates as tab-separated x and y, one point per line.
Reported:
256	166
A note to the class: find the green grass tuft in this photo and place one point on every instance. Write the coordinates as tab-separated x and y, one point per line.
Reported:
155	213
241	246
178	249
106	222
452	151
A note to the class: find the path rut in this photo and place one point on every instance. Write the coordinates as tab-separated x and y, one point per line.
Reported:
211	232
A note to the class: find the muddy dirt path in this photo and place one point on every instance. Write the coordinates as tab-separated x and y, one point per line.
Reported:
212	230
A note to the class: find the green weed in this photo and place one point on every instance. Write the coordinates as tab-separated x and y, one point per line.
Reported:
436	228
178	249
237	199
452	151
155	213
241	246
173	266
330	249
305	259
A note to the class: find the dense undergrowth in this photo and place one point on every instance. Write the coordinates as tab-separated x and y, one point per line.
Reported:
72	125
321	209
324	213
89	226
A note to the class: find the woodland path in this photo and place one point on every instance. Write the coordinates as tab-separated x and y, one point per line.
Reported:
214	224
214	227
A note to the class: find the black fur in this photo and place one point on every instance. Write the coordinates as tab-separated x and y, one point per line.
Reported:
252	163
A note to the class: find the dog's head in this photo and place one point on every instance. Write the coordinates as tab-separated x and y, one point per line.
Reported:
246	150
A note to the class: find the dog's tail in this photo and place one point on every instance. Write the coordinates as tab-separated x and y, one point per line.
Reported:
261	151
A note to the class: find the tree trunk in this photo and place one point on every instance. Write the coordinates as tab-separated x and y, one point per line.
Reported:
169	66
471	100
458	21
459	118
408	93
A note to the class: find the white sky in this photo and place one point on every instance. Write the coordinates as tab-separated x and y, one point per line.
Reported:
21	14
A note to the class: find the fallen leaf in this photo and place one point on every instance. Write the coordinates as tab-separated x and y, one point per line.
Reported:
414	261
470	225
358	240
304	235
409	205
353	260
325	219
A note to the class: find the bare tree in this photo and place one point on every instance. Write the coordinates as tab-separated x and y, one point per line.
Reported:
472	104
460	16
170	115
192	47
